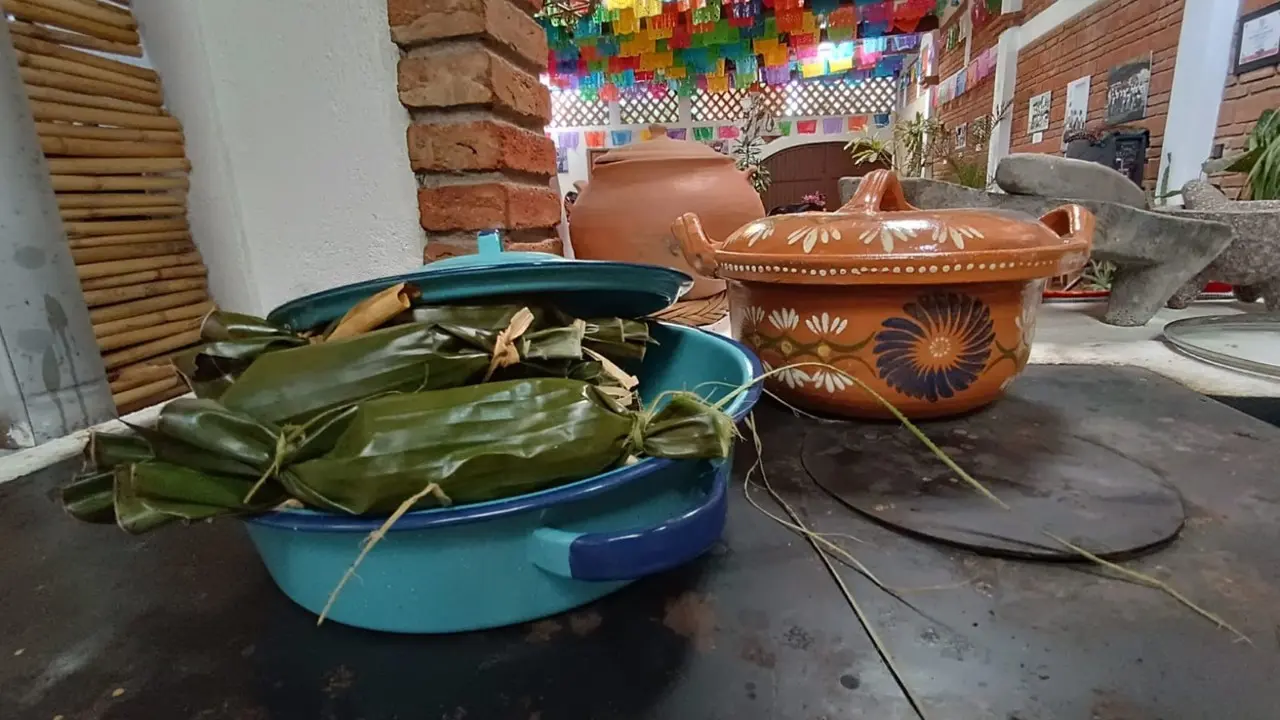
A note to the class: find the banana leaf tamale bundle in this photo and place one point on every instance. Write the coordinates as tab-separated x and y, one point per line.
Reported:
447	347
472	443
495	440
232	342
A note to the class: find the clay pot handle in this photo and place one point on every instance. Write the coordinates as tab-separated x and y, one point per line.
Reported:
698	249
880	191
1072	223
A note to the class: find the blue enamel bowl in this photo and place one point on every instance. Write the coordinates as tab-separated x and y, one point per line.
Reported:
514	560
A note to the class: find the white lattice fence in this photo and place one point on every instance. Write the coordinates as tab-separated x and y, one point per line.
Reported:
641	108
568	109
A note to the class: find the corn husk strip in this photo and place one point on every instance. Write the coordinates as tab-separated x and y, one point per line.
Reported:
374	312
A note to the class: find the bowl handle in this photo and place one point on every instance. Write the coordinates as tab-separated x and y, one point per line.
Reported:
879	191
1074	224
633	553
698	249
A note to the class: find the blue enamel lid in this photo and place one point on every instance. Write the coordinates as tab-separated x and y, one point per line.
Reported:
585	288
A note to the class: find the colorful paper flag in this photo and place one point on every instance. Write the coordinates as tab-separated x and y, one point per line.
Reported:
568	140
832	126
678	133
595	138
807	127
704	134
728	132
882	120
645	134
858	123
620	137
784	127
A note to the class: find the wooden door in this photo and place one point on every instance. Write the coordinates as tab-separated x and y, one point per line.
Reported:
798	171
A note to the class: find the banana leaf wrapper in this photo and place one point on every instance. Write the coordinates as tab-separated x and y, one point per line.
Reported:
233	342
448	347
146	480
619	339
293	386
495	440
476	443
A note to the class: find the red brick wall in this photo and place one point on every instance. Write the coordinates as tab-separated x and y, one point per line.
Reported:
468	74
1093	42
977	100
1243	100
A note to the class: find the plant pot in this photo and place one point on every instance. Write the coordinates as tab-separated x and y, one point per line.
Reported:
625	213
934	310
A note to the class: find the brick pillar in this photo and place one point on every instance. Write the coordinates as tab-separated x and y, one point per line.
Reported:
469	76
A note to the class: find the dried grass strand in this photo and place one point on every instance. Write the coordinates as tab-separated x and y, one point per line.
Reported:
376	536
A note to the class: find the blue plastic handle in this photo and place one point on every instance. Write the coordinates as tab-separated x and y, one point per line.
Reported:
635	553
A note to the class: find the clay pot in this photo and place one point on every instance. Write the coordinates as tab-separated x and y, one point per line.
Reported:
932	309
625	212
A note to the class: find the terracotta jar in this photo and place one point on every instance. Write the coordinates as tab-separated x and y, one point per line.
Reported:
637	191
933	309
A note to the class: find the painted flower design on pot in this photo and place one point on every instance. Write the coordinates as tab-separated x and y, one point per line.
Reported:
938	349
784	318
831	380
754	232
825	324
754	314
795	378
814	233
957	234
888	233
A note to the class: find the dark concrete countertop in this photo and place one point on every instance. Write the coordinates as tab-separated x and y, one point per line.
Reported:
185	624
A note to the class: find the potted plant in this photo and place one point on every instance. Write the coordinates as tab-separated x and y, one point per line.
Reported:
1260	159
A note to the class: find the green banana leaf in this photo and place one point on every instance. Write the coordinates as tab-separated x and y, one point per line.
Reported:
292	386
153	493
619	339
275	410
495	440
233	342
127	483
89	496
476	443
445	347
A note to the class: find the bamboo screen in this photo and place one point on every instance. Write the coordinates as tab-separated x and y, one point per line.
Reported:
119	170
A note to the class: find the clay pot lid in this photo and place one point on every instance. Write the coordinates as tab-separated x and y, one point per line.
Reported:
662	148
877	237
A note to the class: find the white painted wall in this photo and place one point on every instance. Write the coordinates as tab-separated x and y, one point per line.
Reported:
1199	75
300	175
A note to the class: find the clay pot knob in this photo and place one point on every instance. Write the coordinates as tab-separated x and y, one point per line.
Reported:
879	191
698	250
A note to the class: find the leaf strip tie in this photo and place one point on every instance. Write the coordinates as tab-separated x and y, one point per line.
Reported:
505	351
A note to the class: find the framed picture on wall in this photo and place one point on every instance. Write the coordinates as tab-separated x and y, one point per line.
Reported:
1127	88
1258	39
1077	110
1038	112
